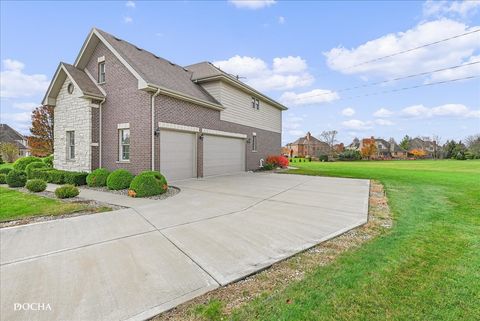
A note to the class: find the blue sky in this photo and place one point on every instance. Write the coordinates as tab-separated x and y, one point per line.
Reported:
300	53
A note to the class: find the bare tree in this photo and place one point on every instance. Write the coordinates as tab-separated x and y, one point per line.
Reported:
473	144
436	143
330	138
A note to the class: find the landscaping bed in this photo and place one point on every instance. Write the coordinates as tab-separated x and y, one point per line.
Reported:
171	191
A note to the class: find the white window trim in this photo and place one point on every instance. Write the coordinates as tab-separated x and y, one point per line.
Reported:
104	72
254	143
123	126
120	146
69	146
178	127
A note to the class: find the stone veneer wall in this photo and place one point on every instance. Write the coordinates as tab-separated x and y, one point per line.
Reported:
72	113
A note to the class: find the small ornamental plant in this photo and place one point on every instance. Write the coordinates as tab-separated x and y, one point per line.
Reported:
67	191
36	185
119	179
98	177
16	178
148	183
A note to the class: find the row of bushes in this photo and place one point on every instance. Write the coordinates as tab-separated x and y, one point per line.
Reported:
148	183
56	176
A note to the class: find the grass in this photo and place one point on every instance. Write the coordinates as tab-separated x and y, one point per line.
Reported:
427	267
18	205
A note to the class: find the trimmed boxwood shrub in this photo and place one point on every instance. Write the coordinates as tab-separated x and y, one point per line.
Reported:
48	161
148	183
36	185
16	178
119	179
30	167
56	177
66	191
98	177
3	178
75	178
41	173
21	163
5	170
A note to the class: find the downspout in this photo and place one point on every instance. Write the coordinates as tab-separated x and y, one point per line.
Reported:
153	127
100	133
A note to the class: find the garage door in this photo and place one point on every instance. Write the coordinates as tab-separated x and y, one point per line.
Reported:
178	154
223	155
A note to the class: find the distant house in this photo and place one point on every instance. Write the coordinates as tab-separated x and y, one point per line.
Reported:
10	135
430	147
396	151
385	149
307	146
355	145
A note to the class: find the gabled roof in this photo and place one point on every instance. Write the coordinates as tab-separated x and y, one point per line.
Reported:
206	71
305	141
80	79
10	135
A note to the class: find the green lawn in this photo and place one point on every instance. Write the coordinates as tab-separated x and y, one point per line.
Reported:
427	267
18	205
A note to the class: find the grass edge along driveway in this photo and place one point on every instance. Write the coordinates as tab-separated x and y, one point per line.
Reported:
426	268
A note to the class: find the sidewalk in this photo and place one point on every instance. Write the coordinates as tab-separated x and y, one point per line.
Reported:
110	198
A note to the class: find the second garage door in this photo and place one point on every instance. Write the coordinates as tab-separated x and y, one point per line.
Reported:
178	158
223	155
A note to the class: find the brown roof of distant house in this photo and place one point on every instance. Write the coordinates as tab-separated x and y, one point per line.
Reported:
156	70
87	86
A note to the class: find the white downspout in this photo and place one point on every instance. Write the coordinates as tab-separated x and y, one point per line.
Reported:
100	133
153	127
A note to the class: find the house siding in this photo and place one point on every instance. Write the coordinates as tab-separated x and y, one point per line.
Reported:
72	113
124	104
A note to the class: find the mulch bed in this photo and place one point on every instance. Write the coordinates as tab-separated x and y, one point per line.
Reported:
172	190
281	274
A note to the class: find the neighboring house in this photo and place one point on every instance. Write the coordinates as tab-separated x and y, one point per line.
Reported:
396	151
10	135
307	146
120	106
383	148
354	145
428	146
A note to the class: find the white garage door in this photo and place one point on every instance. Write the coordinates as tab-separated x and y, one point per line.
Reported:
178	158
223	155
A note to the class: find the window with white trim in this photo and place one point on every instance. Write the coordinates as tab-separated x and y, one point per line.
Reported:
101	72
254	142
255	103
71	144
124	144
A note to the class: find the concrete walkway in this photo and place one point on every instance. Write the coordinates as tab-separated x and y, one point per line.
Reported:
134	263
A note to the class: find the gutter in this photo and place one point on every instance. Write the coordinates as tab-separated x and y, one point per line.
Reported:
153	127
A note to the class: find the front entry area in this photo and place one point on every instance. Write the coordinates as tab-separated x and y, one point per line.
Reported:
178	154
223	155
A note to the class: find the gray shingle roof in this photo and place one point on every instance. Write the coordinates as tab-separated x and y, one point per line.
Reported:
87	86
156	70
204	70
10	135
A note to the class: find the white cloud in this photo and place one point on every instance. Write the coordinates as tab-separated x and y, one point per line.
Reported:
348	112
316	96
383	113
252	4
446	110
14	83
26	106
17	117
292	125
287	73
450	8
128	19
281	20
447	54
461	72
383	122
289	64
130	4
356	124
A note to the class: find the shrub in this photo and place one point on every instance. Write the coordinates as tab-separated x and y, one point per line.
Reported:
36	185
75	178
5	170
268	167
41	173
30	167
98	177
3	178
323	158
460	155
277	161
148	183
1	159
66	191
16	178
56	177
119	179
48	161
350	155
21	163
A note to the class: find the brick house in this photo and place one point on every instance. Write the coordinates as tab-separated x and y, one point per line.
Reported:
307	146
120	106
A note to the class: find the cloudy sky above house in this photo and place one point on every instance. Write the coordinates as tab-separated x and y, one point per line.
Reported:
307	55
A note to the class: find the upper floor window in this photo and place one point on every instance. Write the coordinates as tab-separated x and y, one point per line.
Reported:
255	103
70	144
101	72
124	144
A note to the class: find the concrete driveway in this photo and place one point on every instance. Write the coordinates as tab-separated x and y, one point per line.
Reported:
135	263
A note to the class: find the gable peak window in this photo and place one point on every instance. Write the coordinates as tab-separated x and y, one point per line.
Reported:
101	72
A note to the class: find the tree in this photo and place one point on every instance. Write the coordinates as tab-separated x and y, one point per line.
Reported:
473	145
369	148
41	140
9	152
330	138
405	142
436	144
418	153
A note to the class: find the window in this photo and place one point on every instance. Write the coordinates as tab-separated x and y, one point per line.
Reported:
70	88
254	142
101	72
124	144
255	103
71	145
